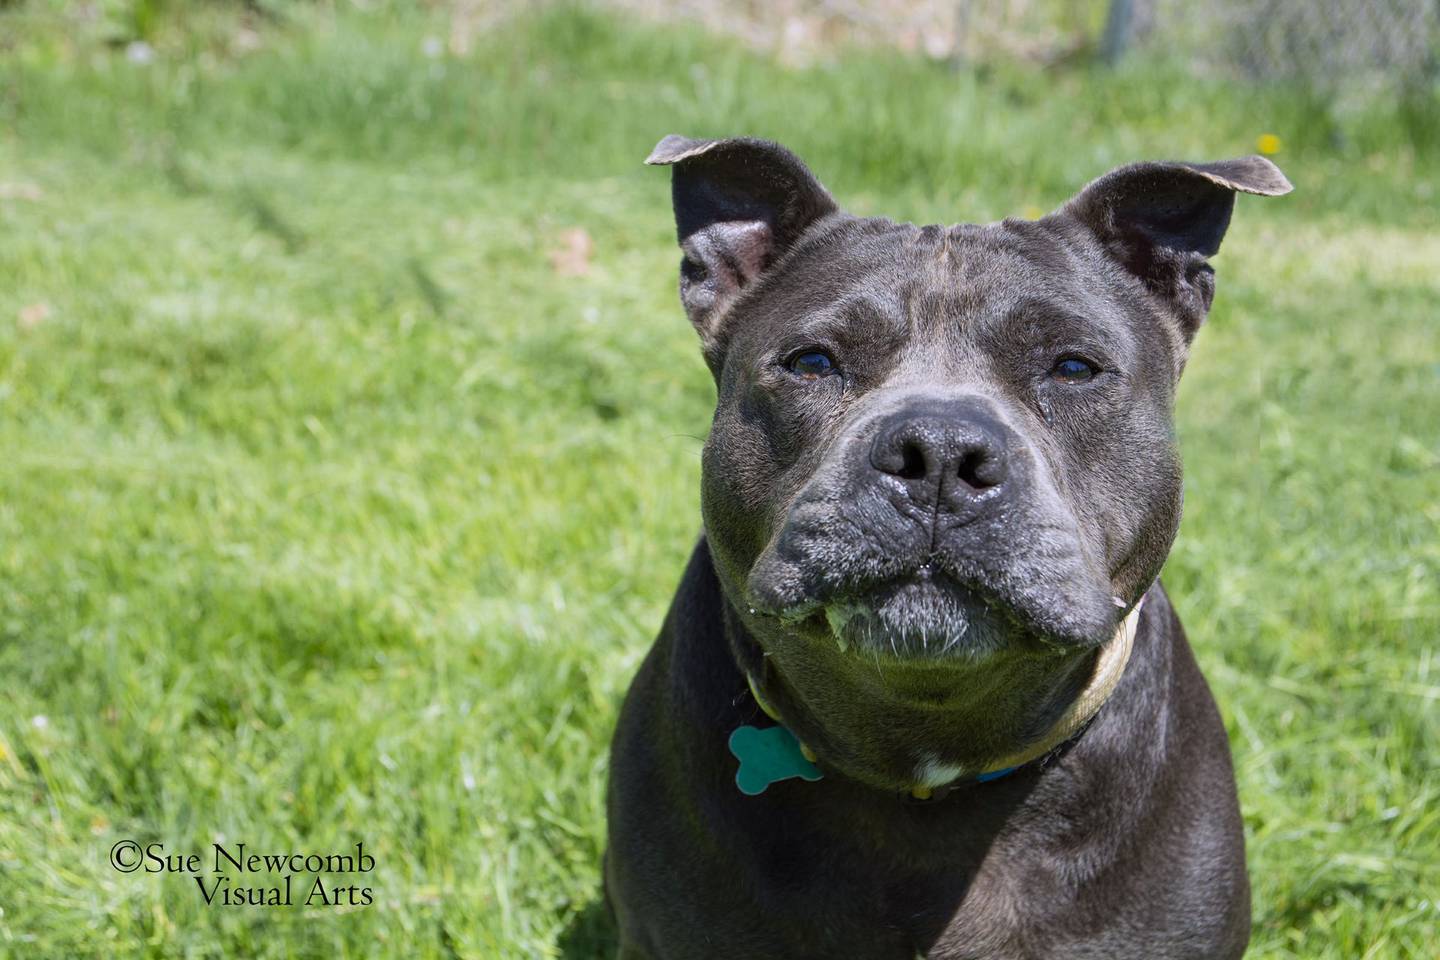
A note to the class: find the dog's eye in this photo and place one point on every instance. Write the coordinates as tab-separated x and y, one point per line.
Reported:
812	364
1072	370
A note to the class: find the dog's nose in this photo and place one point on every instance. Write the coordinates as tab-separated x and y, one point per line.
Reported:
955	446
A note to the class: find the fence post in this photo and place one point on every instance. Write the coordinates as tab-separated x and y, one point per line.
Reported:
1118	23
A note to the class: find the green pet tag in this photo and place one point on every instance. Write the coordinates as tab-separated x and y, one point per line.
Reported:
768	756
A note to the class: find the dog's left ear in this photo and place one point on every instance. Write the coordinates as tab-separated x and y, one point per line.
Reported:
1162	220
739	205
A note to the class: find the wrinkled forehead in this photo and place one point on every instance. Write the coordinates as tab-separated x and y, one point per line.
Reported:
958	283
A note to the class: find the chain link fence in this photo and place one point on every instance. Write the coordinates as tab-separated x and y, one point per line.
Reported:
1323	43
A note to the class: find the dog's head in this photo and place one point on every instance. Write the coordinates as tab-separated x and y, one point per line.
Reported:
938	443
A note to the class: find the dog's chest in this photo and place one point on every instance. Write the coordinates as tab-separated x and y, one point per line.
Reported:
969	911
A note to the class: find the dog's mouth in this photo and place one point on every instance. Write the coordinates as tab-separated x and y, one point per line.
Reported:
927	615
867	576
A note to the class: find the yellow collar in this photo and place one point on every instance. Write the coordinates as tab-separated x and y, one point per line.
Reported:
1109	667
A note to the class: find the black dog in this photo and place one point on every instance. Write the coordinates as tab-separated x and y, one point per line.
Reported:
908	700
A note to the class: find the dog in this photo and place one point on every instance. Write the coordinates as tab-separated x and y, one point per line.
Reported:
920	692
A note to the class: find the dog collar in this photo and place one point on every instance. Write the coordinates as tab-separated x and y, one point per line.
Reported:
771	754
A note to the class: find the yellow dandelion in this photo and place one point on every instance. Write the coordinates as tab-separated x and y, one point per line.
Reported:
1268	144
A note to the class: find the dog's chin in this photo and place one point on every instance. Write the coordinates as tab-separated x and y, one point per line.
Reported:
927	614
922	619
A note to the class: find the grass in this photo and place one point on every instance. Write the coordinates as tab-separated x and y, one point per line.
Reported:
331	512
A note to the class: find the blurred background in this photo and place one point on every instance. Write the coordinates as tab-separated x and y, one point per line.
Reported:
350	426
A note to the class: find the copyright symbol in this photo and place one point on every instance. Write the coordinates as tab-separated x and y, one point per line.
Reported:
125	856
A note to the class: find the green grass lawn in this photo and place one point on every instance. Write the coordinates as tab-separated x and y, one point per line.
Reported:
331	511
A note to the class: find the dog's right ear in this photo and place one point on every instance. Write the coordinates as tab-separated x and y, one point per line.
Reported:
739	205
